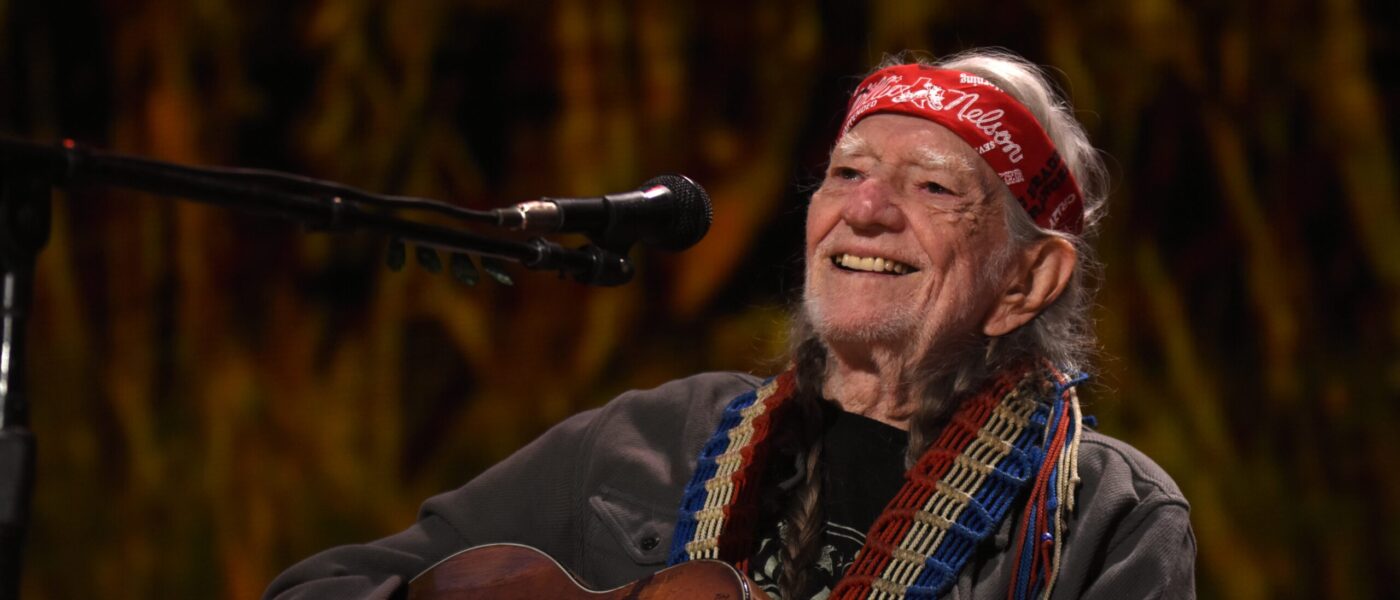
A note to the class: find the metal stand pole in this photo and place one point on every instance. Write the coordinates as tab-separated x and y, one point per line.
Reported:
24	228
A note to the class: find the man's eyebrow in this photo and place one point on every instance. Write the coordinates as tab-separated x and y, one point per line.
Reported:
934	160
852	144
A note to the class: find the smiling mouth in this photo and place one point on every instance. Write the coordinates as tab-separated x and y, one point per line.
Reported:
867	264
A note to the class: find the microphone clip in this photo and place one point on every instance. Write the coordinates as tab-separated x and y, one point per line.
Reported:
590	264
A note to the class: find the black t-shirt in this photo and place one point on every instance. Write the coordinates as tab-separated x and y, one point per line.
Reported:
863	468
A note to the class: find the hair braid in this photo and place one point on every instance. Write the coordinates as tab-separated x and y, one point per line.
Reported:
803	518
944	379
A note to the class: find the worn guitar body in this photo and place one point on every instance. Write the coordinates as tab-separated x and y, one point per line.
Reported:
515	572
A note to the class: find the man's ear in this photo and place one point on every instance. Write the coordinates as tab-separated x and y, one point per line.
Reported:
1039	275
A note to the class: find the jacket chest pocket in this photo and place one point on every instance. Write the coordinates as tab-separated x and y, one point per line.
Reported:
625	523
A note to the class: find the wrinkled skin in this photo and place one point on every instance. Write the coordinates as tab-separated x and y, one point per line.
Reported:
911	193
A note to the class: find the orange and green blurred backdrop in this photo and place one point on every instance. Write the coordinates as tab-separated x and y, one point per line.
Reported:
217	396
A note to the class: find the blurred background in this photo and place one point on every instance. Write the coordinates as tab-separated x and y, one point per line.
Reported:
216	396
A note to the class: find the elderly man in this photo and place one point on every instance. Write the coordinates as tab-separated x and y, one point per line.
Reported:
927	440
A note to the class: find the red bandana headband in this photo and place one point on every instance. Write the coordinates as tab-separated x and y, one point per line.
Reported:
997	126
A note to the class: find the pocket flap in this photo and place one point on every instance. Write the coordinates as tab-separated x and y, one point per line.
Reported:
643	530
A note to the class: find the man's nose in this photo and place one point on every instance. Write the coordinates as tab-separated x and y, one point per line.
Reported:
871	207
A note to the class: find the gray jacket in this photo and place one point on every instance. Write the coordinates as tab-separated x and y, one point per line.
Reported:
600	492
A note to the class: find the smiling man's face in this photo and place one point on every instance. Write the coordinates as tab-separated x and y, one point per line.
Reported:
903	237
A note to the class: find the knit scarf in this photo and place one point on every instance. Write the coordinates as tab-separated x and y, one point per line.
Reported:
1021	430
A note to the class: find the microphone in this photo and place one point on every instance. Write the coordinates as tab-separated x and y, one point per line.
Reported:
670	212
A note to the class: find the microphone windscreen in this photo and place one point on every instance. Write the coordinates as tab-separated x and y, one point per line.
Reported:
690	215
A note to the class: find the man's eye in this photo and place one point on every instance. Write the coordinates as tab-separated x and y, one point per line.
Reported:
846	173
934	187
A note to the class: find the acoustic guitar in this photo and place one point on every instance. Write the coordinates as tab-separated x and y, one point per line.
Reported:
515	572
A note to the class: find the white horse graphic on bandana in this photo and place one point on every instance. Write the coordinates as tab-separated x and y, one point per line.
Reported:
929	97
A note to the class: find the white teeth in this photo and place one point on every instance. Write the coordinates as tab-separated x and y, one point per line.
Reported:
874	265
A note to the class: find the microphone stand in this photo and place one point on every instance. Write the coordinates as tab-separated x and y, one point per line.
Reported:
24	229
28	172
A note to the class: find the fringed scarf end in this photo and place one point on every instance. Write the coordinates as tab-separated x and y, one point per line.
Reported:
1043	524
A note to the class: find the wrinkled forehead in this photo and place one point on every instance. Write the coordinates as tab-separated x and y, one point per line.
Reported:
853	144
901	140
